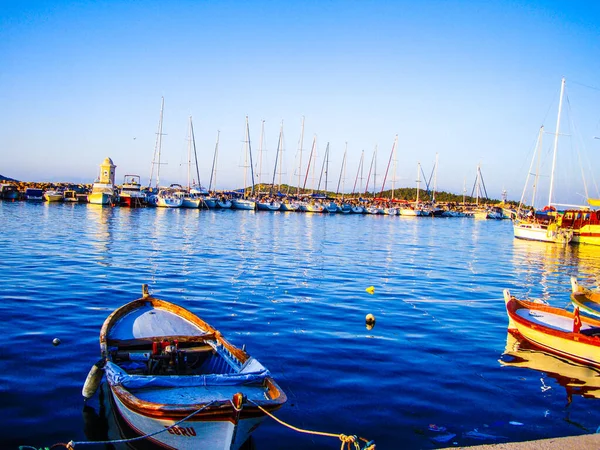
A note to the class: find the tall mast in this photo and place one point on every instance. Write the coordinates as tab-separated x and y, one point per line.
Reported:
213	173
277	159
250	155
435	179
246	157
260	151
562	91
342	173
359	172
388	165
394	172
370	170
189	154
300	144
324	168
418	181
195	154
280	152
157	146
310	160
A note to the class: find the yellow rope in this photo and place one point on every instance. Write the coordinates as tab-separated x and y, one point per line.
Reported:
348	440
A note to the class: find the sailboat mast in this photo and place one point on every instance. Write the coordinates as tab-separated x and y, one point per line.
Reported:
195	154
388	165
157	146
562	91
189	153
359	172
418	181
395	163
435	179
250	153
280	153
260	151
213	173
276	159
300	144
309	162
370	170
342	173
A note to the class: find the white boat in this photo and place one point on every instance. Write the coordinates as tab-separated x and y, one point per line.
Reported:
311	207
168	198
177	382
268	205
357	209
287	205
542	227
192	195
373	210
243	203
131	192
391	211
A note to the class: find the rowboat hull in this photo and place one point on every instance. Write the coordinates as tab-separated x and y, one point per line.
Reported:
168	371
552	329
190	434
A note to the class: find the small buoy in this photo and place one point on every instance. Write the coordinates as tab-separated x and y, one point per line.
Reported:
370	289
93	380
370	321
55	341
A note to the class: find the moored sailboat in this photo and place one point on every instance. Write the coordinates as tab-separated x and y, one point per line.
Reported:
543	227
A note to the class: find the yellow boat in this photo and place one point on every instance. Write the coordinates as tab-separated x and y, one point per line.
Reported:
555	330
585	299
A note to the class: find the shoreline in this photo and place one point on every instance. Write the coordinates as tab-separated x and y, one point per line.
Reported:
582	442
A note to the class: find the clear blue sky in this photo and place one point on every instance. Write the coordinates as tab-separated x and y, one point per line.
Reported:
469	80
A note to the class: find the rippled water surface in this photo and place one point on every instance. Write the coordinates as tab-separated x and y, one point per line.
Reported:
291	287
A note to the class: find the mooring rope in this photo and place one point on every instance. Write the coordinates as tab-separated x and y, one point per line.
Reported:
71	445
348	440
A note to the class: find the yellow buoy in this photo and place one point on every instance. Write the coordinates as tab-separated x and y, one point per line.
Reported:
370	289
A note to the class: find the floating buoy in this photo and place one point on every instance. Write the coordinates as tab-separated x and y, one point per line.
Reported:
370	321
55	341
93	380
370	289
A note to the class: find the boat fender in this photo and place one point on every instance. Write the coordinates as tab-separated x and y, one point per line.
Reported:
238	401
370	321
93	380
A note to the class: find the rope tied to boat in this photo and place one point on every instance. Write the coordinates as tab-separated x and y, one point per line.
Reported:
72	444
349	441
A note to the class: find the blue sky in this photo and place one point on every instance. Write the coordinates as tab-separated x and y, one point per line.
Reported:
469	80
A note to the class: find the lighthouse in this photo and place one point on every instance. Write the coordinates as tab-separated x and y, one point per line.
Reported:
103	190
107	172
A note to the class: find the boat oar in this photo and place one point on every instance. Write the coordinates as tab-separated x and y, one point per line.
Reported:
93	380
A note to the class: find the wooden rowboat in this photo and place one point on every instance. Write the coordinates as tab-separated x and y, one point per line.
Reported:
586	300
555	330
169	370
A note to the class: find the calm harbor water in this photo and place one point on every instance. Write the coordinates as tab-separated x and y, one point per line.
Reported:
291	287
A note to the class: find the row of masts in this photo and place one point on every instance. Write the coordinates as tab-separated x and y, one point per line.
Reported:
249	179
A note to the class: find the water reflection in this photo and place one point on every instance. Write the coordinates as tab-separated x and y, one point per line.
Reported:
100	228
575	378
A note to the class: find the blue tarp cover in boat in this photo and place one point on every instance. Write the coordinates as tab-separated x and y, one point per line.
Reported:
116	376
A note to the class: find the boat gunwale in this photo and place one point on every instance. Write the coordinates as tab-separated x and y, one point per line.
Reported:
222	410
